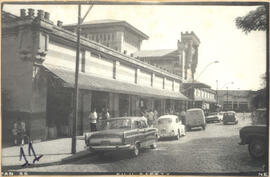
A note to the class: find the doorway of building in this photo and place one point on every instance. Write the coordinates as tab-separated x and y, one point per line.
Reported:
124	105
99	100
59	109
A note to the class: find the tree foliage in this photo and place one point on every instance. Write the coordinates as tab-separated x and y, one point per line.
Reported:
254	21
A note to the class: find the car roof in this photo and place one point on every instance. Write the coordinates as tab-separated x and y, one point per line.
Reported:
168	116
195	109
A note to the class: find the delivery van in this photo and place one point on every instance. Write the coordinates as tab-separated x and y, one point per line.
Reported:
195	118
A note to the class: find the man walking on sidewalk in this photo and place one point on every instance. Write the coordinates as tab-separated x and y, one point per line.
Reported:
93	120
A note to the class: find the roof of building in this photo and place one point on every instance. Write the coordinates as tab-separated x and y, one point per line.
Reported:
197	84
90	82
110	22
8	17
154	53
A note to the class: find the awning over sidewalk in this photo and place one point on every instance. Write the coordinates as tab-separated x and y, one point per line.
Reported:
90	82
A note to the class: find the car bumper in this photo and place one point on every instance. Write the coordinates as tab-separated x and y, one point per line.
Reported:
212	119
164	135
111	148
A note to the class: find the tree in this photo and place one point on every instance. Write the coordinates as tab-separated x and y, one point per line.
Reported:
255	20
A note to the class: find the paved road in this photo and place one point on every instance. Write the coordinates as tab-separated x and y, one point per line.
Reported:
214	150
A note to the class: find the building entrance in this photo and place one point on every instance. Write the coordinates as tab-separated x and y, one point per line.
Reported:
59	111
124	105
100	100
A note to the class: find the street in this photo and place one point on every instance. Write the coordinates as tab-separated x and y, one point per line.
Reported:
214	150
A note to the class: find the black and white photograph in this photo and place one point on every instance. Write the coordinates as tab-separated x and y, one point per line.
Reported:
135	88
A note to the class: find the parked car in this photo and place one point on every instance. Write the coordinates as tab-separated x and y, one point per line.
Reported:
123	133
256	135
170	126
229	117
213	117
195	118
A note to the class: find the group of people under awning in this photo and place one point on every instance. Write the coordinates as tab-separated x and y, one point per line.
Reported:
95	117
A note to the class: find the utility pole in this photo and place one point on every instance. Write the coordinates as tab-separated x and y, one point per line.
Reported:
75	95
227	99
217	92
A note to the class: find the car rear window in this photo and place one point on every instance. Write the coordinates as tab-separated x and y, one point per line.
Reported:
229	114
165	121
194	113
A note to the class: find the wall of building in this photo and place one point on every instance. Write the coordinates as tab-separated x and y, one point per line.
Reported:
96	64
131	43
238	100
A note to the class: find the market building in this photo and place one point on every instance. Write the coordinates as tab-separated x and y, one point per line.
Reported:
236	100
183	62
38	68
201	96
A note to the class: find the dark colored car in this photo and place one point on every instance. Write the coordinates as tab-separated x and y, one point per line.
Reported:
123	133
213	117
229	117
256	135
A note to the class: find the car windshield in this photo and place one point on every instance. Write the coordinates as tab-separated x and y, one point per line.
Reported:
115	124
164	121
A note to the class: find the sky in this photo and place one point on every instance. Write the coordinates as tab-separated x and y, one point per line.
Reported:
241	57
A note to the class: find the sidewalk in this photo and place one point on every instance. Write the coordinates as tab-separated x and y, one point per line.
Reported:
53	151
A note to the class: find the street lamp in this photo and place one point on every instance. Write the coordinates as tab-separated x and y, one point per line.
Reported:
206	68
228	93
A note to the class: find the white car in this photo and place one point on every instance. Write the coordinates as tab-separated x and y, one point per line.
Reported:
170	126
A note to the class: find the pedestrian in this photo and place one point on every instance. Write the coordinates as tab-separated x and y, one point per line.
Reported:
107	114
150	118
155	116
183	117
19	131
93	120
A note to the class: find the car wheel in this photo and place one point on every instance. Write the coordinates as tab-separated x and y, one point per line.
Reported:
178	135
203	127
154	145
136	150
257	148
184	130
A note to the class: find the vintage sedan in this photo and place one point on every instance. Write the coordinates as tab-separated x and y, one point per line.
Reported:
256	135
123	133
170	126
230	117
213	117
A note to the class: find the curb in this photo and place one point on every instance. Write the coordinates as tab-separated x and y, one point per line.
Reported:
77	156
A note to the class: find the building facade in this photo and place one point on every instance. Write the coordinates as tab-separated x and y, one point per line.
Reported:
116	34
236	100
201	96
181	61
38	71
